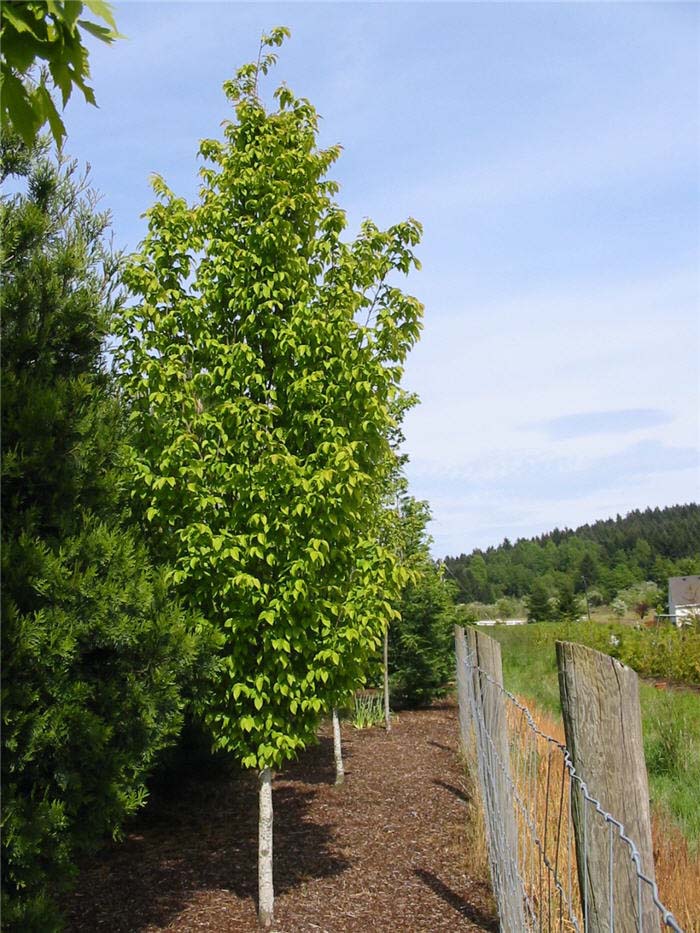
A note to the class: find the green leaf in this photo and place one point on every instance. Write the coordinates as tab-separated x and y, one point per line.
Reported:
103	33
19	107
103	10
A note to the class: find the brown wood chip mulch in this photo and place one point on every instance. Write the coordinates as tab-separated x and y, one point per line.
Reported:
383	852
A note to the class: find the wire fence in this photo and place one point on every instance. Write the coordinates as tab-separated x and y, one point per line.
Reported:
545	831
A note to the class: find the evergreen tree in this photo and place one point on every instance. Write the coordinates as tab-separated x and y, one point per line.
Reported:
421	642
588	571
94	651
568	606
539	608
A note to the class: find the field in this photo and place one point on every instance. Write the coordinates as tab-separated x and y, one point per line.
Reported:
671	726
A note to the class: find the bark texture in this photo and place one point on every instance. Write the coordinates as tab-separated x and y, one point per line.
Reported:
387	711
338	749
266	892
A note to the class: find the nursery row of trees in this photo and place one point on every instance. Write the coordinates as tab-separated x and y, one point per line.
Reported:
216	524
605	560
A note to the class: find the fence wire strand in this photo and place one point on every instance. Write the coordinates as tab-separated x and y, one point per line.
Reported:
531	794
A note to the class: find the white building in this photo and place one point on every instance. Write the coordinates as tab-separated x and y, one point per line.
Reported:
501	622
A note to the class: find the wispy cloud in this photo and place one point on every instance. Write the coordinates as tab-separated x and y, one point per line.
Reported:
583	424
539	475
564	162
476	509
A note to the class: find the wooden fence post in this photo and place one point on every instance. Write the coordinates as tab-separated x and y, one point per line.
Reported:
602	721
496	782
465	719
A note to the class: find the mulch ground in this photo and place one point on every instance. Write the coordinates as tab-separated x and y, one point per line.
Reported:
383	852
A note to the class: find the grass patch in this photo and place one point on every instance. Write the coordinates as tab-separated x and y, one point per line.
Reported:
368	711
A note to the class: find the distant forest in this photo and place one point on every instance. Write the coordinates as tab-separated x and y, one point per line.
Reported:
608	556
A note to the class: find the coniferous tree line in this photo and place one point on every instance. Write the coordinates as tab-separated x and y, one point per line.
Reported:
601	559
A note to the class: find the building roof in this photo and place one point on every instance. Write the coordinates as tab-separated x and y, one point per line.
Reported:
684	591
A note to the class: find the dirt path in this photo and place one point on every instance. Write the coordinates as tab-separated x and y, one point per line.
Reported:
385	852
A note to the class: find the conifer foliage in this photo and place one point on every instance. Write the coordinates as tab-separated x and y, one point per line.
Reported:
95	652
261	366
606	557
421	643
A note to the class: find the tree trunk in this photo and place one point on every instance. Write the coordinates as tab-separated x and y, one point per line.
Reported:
266	893
387	711
338	749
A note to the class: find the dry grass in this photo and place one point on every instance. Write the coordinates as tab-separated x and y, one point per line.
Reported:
677	873
476	847
548	858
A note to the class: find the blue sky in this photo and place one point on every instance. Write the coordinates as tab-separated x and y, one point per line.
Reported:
552	152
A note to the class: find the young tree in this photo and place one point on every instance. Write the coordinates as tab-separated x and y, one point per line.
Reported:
260	366
421	652
95	653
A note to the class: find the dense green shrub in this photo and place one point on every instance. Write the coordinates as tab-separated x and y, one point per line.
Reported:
93	677
661	651
96	656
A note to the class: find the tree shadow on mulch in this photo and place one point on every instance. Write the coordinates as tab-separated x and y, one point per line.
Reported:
441	746
316	765
459	792
196	837
464	908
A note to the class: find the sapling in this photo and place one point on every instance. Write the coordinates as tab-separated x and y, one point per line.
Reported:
260	365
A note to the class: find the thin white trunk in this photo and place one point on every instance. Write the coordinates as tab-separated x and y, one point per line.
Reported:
338	749
387	711
266	893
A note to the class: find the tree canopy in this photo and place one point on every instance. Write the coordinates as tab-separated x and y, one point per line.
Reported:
261	366
33	32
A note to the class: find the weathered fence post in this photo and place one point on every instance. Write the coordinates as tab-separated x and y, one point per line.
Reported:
466	726
602	721
489	722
